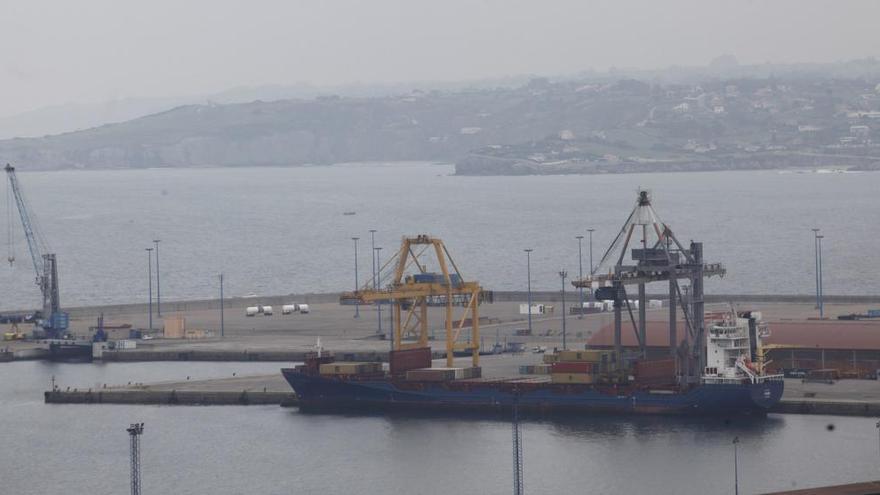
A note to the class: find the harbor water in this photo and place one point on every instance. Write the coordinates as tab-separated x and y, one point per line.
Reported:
61	449
285	230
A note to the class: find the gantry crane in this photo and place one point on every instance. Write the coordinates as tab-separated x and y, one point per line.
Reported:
658	257
413	293
53	321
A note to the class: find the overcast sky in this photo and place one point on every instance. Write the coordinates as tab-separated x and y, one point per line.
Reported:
94	50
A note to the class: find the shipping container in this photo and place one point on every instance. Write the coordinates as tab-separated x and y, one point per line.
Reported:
251	310
587	355
431	375
289	308
571	378
410	359
304	308
874	313
350	368
550	358
267	310
572	367
655	371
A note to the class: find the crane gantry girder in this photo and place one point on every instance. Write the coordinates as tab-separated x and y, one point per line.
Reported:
410	294
639	276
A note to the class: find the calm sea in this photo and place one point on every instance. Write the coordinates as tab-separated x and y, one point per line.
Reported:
64	449
283	230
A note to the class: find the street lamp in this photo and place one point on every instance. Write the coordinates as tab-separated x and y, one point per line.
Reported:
821	289
735	467
529	272
158	293
562	275
150	277
580	238
357	307
373	260
222	322
592	268
378	280
816	262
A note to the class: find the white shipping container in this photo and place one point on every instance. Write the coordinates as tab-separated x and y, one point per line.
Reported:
289	308
304	308
537	309
126	344
251	311
267	310
655	303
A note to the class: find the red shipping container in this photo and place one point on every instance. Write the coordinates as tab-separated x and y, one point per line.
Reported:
410	359
659	368
572	367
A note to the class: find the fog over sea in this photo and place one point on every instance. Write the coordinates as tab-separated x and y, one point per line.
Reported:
283	230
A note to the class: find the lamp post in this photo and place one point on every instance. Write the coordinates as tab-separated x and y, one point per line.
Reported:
357	307
562	275
529	273
816	262
222	322
378	280
373	260
735	467
592	268
580	239
150	277
821	289
158	291
877	425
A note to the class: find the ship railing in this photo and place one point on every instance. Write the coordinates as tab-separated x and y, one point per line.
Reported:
768	378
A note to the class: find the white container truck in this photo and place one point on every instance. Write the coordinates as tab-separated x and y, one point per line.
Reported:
304	308
289	308
251	311
267	310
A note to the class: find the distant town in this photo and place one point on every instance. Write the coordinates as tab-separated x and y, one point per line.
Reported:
720	117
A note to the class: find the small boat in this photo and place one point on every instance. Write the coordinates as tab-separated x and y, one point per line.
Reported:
349	213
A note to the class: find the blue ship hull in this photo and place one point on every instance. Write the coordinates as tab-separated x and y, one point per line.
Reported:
319	392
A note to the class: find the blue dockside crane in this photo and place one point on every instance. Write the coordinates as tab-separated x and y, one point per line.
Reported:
52	320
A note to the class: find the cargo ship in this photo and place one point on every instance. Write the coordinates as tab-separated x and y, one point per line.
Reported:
581	382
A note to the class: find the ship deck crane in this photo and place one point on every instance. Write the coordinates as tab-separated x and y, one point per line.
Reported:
53	321
412	294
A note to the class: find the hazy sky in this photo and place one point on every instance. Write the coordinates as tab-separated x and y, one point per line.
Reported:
93	50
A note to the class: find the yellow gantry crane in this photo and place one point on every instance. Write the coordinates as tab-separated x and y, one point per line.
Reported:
412	293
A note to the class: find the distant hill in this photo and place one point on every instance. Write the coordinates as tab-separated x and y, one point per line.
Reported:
617	120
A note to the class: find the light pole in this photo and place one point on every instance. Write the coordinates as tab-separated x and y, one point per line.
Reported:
735	467
373	259
158	293
580	239
150	277
378	280
222	323
562	275
816	262
357	307
529	273
821	289
877	425
134	432
592	268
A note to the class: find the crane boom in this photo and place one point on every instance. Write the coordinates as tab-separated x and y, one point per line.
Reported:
54	321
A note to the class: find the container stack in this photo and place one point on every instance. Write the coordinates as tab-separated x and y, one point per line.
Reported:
535	369
654	372
580	366
409	359
350	368
443	374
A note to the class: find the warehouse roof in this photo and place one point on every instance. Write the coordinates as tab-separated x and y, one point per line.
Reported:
807	334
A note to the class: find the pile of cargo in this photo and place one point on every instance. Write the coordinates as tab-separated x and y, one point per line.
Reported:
350	368
586	366
442	374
